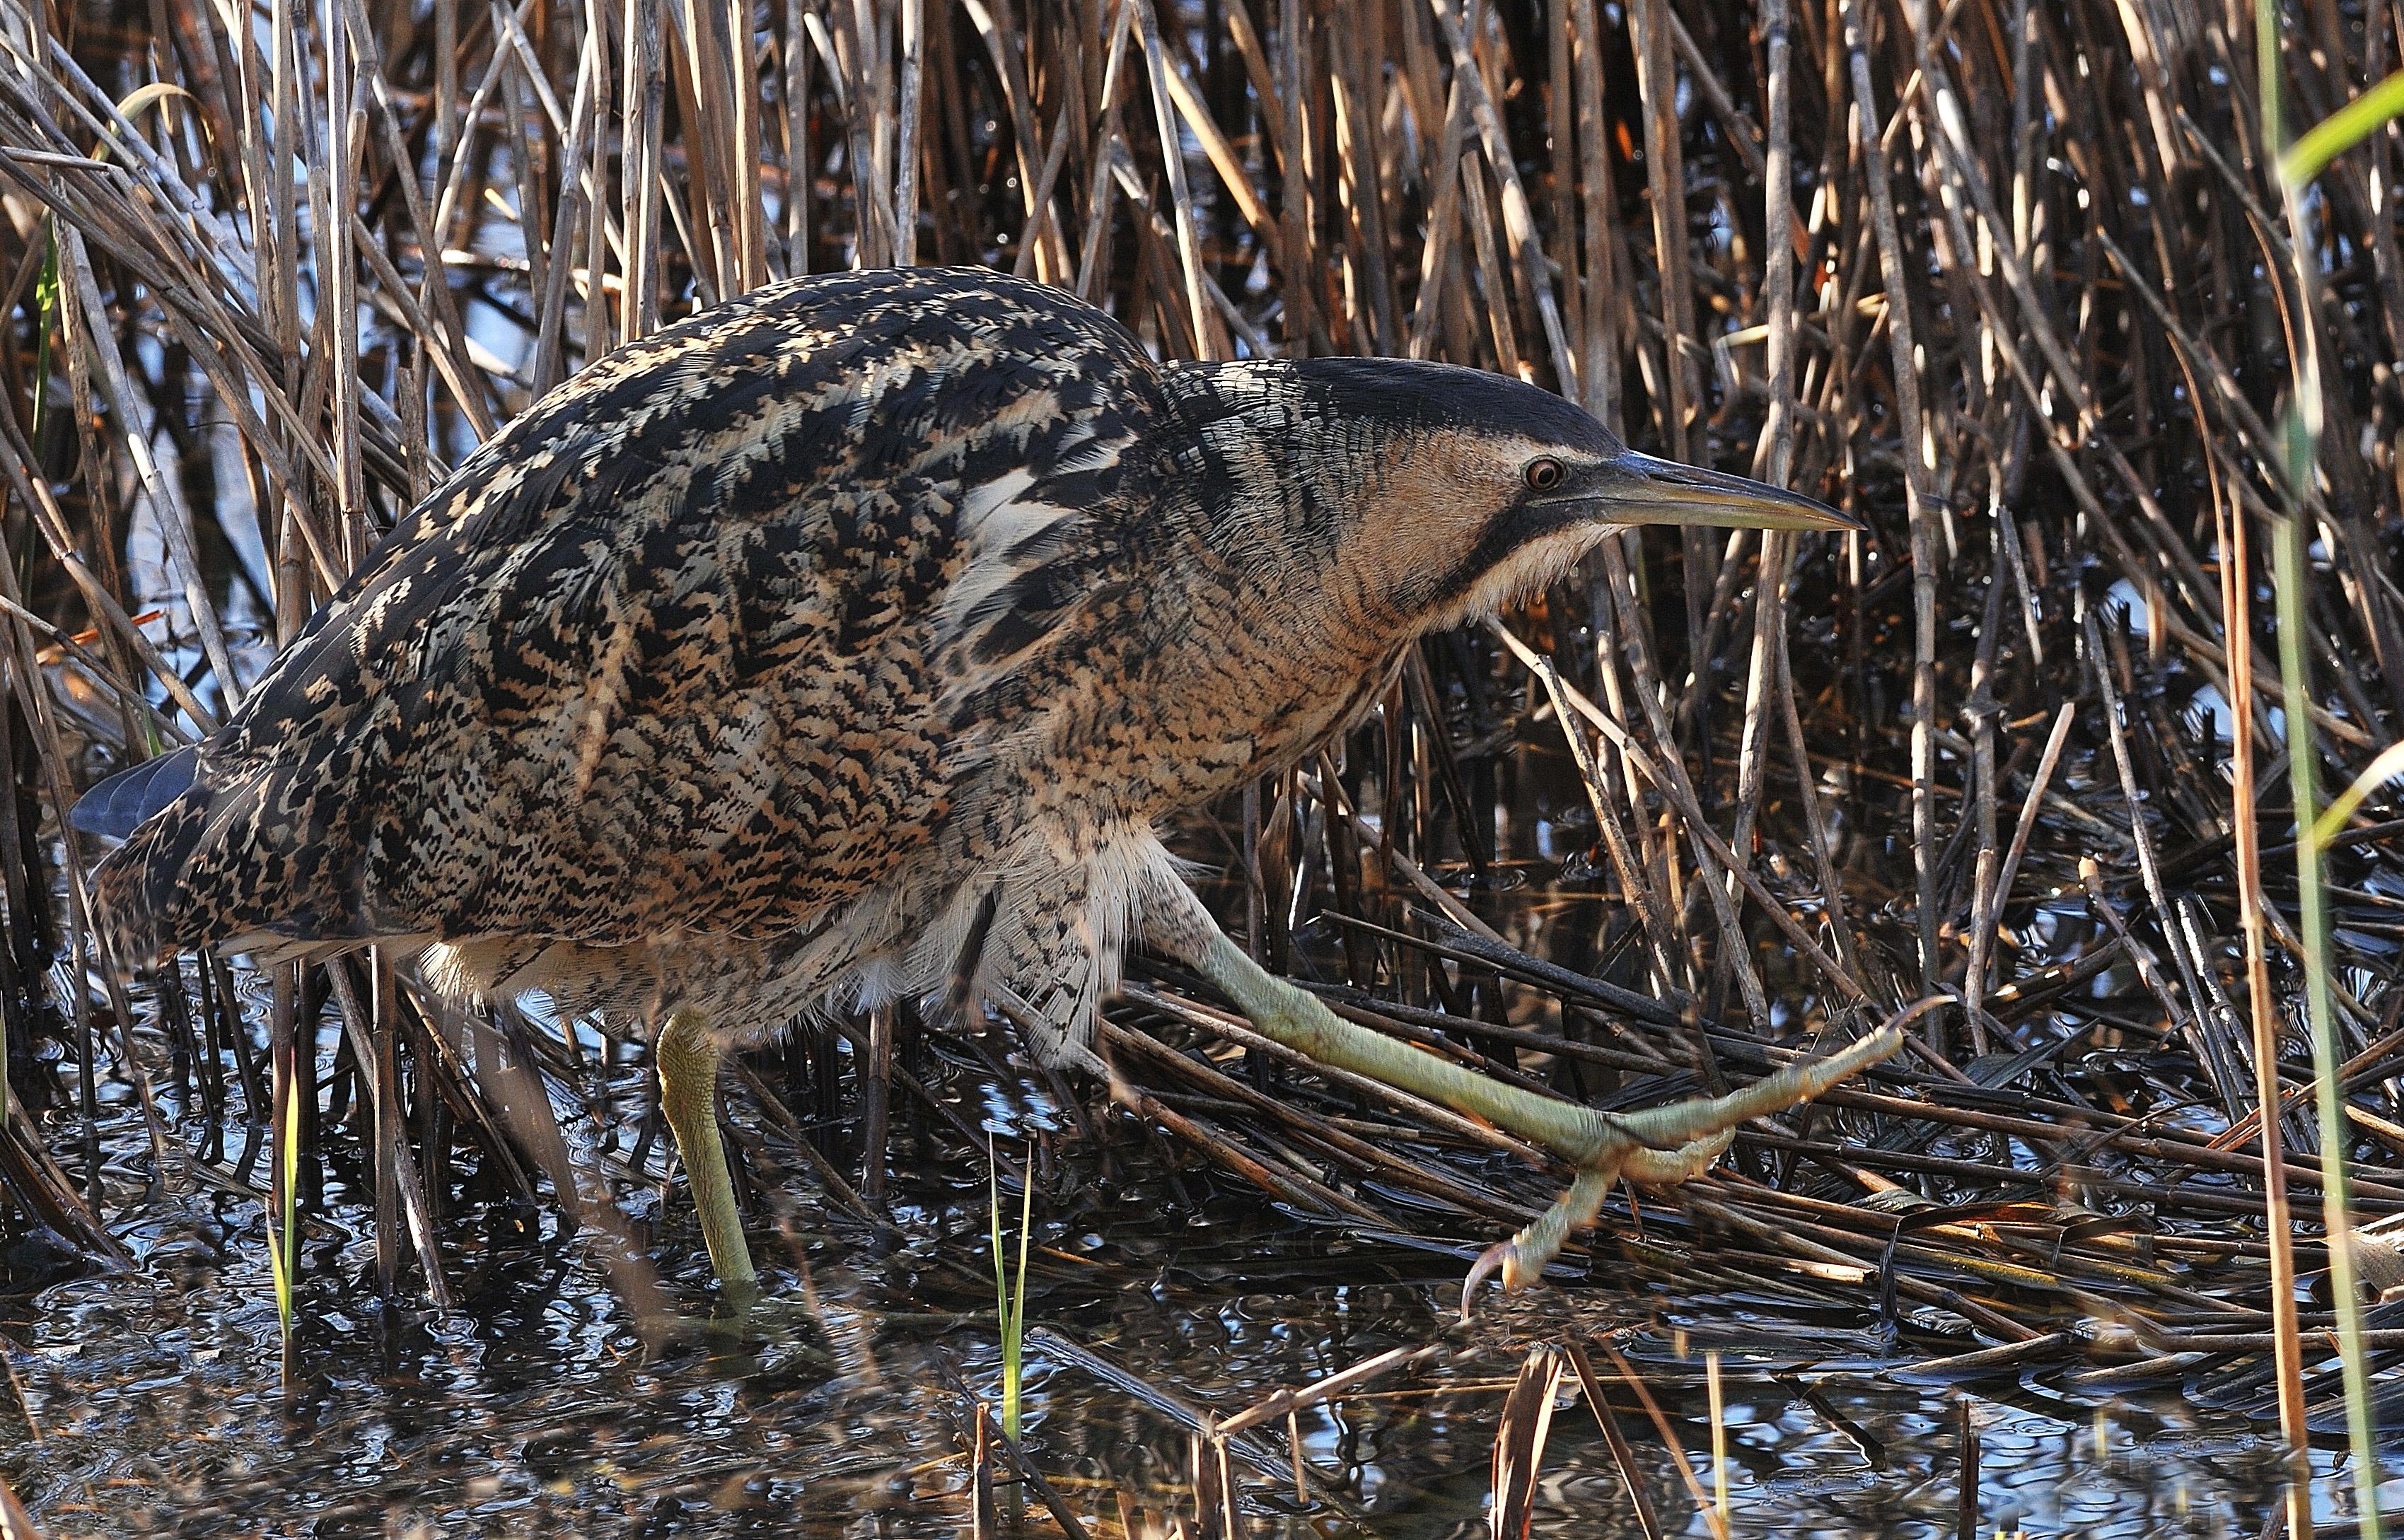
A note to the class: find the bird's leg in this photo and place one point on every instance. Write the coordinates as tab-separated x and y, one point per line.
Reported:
1659	1145
687	1053
1303	1022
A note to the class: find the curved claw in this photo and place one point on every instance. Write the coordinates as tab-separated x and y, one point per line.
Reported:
1517	1259
1522	1259
1494	1256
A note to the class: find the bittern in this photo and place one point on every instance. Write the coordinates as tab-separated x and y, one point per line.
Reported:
847	642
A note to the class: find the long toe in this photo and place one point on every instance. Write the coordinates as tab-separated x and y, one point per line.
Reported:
1522	1259
1664	1128
1661	1168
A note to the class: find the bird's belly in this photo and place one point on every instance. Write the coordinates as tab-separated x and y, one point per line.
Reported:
1039	920
748	990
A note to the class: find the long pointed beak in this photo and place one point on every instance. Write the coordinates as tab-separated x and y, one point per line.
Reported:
1637	489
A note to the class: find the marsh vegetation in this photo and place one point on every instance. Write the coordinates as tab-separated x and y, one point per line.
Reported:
2017	283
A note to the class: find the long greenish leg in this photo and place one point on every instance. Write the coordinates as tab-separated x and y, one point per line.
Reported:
687	1053
1298	1020
1658	1145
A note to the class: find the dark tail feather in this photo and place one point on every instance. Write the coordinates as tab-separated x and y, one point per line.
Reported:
134	883
118	806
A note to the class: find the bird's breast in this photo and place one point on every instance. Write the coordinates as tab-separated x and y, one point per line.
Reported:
1187	716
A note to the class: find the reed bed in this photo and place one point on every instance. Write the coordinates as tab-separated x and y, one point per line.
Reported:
2015	283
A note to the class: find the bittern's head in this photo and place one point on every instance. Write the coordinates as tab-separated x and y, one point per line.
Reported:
1436	492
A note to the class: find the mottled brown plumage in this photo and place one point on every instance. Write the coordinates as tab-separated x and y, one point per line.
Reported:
850	640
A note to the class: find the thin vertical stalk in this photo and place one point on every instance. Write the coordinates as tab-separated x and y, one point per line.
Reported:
1762	674
646	99
1518	219
1903	351
905	165
1598	346
337	278
2289	574
2237	604
1189	239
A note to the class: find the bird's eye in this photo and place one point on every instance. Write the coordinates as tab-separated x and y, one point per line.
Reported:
1545	474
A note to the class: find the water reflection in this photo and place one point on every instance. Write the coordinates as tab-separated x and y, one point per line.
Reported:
537	1409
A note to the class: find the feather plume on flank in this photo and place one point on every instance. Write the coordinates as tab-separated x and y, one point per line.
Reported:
1044	941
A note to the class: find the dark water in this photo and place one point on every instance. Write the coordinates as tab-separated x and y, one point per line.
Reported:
536	1413
151	1402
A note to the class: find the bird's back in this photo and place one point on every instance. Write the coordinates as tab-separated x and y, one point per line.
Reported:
684	649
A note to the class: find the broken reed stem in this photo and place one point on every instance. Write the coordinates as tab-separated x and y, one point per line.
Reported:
2262	1011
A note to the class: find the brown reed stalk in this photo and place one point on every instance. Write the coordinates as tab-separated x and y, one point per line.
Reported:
1988	274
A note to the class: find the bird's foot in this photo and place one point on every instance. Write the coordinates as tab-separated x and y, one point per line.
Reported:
1662	1147
1522	1259
1657	1145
